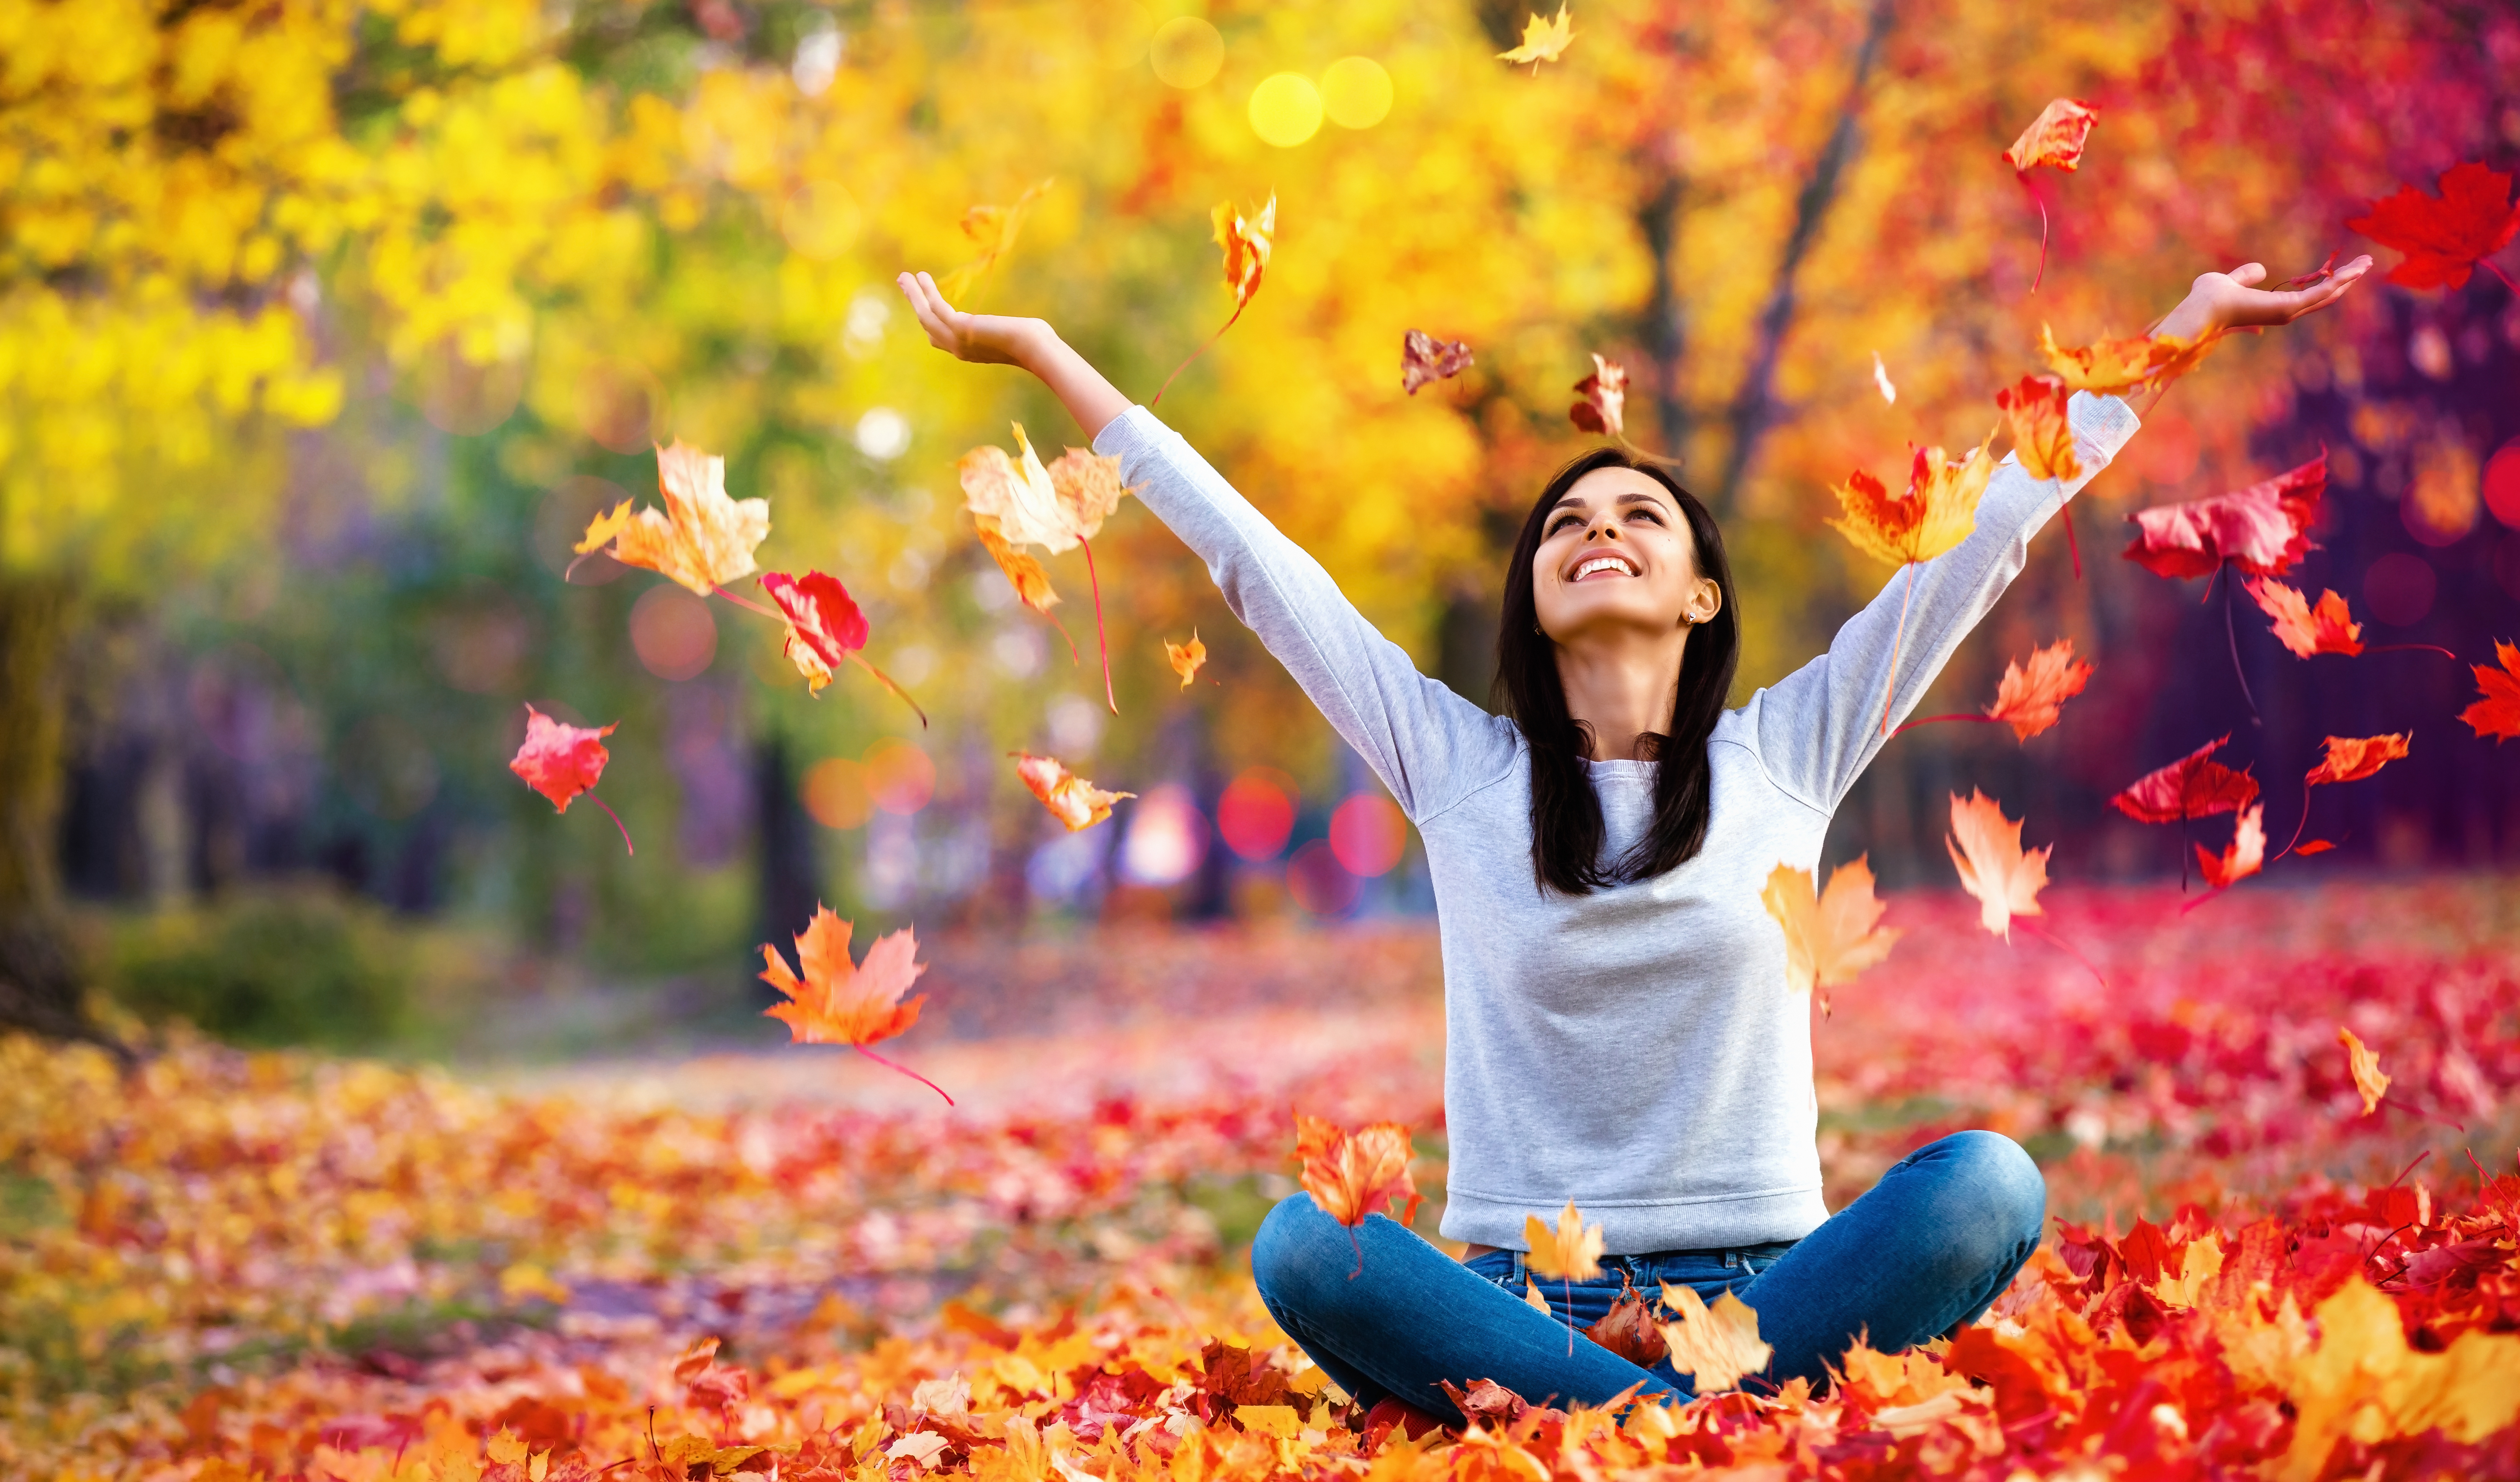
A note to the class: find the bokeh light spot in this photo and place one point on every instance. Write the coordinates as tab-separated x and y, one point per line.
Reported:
834	793
1285	110
1319	882
1257	812
1167	838
1356	92
1187	52
899	777
2502	483
1367	833
673	633
2440	505
2399	589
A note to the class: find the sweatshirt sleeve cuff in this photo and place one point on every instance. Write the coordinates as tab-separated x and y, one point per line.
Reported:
1127	433
2101	425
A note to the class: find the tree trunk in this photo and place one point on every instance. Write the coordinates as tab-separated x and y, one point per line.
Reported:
39	971
1754	406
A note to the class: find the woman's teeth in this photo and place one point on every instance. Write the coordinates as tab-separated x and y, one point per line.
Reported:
1610	563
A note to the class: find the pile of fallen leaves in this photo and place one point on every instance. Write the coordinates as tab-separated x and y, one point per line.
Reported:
230	1266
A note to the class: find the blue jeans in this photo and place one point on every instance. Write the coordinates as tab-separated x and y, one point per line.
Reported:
1920	1254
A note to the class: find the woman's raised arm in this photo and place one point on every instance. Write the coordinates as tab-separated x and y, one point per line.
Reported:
1430	746
1822	724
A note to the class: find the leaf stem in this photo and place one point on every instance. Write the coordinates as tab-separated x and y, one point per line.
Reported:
626	847
1100	638
887	681
905	1071
2299	827
2410	648
1354	1244
2495	269
2065	513
1928	720
1211	339
2232	633
1890	690
2042	275
749	605
2063	946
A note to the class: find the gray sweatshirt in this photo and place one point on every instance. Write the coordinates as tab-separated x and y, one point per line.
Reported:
1634	1049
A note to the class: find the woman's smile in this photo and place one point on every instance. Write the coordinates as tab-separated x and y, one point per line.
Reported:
1606	564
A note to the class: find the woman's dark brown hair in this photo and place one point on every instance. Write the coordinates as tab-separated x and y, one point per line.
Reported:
1565	813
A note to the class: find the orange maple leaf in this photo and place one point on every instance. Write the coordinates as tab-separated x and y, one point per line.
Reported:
2246	856
1185	658
2497	711
559	761
1018	502
1246	243
1088	487
1986	847
1424	359
2042	436
2366	1064
2307	630
2350	759
1716	1346
1830	935
2031	700
1542	40
1350	1174
1018	495
1070	799
1570	1252
2056	137
1023	573
2194	787
701	539
995	229
2109	365
1937	511
836	1002
1604	405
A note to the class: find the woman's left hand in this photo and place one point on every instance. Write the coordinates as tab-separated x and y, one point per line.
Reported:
2233	300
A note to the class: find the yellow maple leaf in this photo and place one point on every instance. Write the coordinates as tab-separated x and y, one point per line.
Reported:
1542	40
701	539
1571	1253
1716	1346
995	229
2363	1383
1070	799
1185	658
2368	1078
2106	367
1937	511
1986	847
1830	935
2042	436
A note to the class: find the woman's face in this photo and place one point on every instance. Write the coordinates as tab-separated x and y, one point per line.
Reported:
1616	557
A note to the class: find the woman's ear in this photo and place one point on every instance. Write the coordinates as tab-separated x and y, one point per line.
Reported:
1704	602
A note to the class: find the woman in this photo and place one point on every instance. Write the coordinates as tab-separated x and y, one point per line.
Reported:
1619	1032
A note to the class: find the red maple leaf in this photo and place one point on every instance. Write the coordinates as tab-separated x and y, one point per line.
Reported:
2263	529
2445	239
2307	630
559	761
2497	711
2194	787
2350	758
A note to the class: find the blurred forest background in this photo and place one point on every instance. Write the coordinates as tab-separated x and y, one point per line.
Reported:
325	326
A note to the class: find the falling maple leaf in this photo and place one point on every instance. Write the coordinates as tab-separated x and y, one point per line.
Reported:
2191	788
1542	40
1571	1253
2263	529
2497	711
836	1002
559	761
2031	700
1830	935
2107	367
1185	658
2054	138
2042	436
995	229
2307	630
1018	502
1070	799
1532	1298
1247	241
824	628
1716	1346
1937	511
1604	405
701	539
1986	847
1349	1173
2369	1079
2246	856
2445	239
1881	381
1426	359
2350	759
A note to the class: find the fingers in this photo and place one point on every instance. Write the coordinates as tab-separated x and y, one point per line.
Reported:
2248	275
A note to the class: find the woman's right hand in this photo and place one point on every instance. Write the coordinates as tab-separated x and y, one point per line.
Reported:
980	339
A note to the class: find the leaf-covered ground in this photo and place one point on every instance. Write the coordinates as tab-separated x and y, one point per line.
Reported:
227	1265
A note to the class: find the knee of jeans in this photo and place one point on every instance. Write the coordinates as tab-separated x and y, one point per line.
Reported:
2010	1196
1286	1255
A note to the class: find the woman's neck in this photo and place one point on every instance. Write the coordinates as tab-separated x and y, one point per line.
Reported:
1622	687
